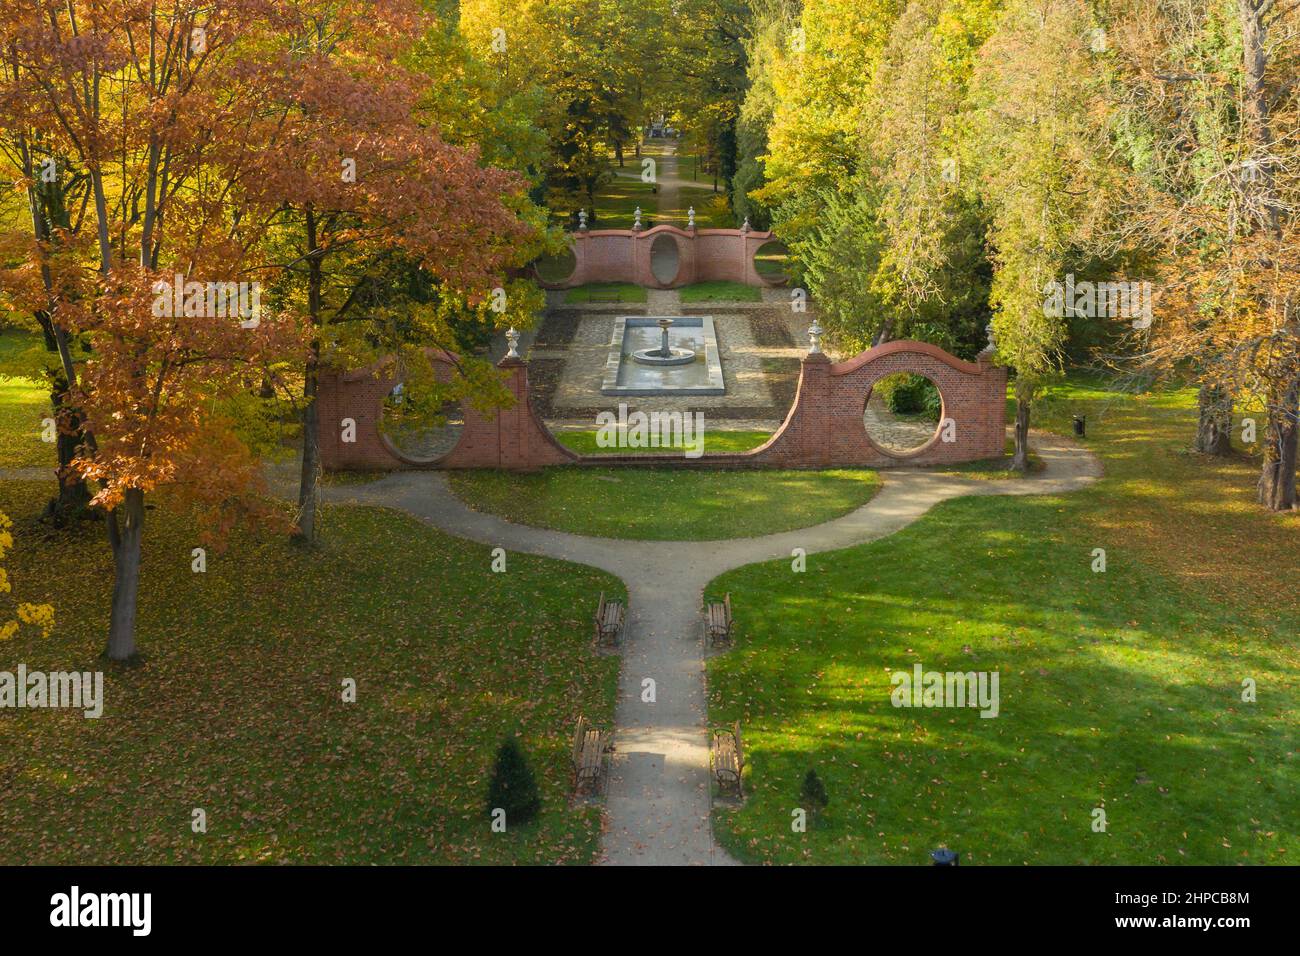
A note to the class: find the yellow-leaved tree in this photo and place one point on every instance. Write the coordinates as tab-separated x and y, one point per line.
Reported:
36	615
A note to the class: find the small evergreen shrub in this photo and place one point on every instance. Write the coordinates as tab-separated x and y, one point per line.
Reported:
513	787
813	793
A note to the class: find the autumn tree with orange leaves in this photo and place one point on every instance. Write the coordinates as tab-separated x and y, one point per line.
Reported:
382	233
136	100
280	146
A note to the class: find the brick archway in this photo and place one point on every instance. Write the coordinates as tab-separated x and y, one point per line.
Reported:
824	428
512	438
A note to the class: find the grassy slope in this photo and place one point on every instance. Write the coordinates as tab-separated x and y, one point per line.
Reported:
618	199
1119	689
666	504
24	403
237	709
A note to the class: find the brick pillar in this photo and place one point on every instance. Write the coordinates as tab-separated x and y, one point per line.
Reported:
512	424
579	276
521	440
815	398
992	403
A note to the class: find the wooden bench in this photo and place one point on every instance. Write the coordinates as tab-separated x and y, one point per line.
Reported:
719	621
728	759
608	620
589	748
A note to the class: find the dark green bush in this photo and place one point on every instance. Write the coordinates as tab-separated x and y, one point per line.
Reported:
813	793
906	394
513	787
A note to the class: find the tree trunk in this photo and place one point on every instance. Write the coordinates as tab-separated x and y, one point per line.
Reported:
309	483
884	333
126	539
1277	484
73	499
1214	426
1265	210
618	154
1020	461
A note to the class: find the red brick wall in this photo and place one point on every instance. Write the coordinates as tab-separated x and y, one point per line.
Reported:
824	428
703	255
512	438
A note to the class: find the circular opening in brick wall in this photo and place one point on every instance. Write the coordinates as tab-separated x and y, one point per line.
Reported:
556	268
416	428
902	413
772	262
665	259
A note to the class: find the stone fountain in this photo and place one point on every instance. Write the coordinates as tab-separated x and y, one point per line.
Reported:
666	354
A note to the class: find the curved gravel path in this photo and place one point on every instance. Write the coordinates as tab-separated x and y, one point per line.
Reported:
659	789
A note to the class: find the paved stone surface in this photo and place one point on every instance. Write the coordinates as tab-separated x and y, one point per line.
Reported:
585	358
659	791
893	432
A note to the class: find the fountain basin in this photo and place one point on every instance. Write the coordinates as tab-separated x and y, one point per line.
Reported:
675	356
636	364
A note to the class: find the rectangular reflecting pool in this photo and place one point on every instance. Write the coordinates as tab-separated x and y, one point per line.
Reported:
633	333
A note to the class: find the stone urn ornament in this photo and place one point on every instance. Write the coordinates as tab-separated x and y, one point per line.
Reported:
815	337
582	220
637	224
512	336
690	218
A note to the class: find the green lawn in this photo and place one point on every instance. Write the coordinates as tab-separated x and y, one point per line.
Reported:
995	469
24	404
772	261
584	443
236	708
629	502
557	268
711	209
720	291
606	291
1119	689
618	199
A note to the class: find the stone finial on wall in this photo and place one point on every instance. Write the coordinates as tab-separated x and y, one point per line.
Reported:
815	337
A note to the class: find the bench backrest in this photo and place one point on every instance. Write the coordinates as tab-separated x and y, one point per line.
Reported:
600	609
727	601
579	736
